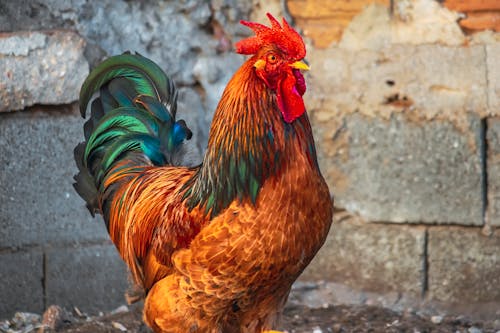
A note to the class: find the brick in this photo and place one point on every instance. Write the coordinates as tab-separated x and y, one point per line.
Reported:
21	289
40	68
472	6
493	165
484	20
92	278
464	265
324	22
38	204
479	15
371	257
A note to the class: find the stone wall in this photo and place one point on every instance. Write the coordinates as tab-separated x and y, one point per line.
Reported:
405	110
51	250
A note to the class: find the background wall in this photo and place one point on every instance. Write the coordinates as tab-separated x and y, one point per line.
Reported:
405	107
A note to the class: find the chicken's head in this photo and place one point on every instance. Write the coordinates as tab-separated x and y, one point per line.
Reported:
278	52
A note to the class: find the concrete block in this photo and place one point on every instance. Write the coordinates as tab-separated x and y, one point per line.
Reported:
40	68
426	82
397	127
402	171
493	165
38	204
493	74
92	278
371	257
464	265
421	22
21	289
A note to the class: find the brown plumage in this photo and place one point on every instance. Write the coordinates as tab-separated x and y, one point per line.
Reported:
217	247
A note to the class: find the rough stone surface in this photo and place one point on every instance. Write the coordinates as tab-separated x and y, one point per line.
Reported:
425	82
38	204
464	265
324	22
21	289
412	22
40	68
189	108
36	15
493	63
213	75
493	164
92	278
372	257
401	171
179	36
172	33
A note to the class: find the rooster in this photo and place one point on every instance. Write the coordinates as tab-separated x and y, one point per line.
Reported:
215	247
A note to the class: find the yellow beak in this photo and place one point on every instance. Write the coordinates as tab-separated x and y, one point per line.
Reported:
259	64
300	65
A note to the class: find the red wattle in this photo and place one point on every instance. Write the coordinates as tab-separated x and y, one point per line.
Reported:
289	96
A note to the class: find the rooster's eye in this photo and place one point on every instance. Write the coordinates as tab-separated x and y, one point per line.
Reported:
272	59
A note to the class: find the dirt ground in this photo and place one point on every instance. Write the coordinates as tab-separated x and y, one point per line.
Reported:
311	308
297	319
335	319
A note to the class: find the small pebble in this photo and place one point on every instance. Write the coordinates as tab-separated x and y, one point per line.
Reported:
120	309
317	330
437	320
78	312
337	328
475	330
119	326
54	317
22	319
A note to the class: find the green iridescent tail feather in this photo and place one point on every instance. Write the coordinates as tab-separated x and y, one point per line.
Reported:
132	118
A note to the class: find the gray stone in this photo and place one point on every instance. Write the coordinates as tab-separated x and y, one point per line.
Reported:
371	257
493	165
404	171
189	108
29	15
173	34
21	289
40	68
213	73
464	265
493	67
38	204
493	134
92	278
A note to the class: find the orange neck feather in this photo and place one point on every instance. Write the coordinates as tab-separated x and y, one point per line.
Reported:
247	144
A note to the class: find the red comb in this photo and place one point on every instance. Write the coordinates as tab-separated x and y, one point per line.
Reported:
284	37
